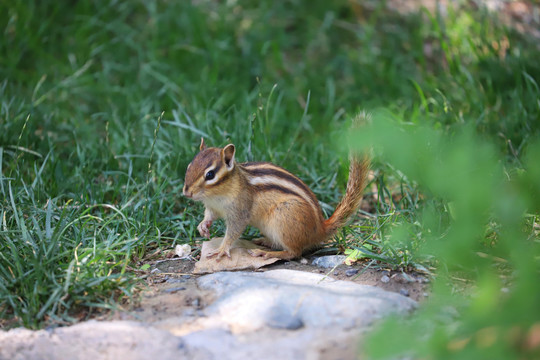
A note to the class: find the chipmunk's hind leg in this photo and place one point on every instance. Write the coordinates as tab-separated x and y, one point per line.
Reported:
290	230
264	241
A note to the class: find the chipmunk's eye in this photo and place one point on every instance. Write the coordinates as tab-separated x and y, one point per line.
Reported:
210	175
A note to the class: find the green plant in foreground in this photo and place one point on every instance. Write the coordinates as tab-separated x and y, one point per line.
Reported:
501	318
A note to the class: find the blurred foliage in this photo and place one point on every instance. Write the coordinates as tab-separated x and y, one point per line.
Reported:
500	319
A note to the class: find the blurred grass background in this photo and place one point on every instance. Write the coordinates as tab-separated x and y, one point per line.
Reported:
103	105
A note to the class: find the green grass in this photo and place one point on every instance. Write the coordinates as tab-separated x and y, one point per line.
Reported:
103	105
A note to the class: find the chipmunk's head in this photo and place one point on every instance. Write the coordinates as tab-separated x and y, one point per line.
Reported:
209	171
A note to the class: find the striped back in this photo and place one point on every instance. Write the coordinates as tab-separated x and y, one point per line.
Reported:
264	176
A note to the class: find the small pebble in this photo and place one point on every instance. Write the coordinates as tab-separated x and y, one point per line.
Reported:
403	278
404	292
182	251
175	281
303	261
385	279
351	272
173	290
186	277
329	261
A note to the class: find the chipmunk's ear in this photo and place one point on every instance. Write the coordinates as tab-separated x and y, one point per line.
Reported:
227	154
203	145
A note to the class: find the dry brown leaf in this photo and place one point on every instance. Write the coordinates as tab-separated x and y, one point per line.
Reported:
240	258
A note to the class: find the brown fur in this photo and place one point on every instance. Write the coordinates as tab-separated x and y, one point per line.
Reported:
268	197
358	171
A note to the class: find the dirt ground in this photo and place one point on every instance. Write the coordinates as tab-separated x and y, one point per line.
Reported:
177	324
171	289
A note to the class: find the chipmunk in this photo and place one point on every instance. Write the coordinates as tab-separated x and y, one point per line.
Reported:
267	197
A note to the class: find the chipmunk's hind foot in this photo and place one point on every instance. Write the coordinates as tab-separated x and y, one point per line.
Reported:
284	254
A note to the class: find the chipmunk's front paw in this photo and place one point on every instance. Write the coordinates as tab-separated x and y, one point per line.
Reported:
219	253
204	228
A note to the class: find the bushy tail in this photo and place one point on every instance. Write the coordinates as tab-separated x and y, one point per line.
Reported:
358	172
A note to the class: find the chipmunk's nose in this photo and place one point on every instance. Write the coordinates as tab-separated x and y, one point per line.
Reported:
186	192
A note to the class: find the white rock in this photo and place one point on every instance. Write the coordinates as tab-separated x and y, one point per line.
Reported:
281	314
182	251
250	301
329	261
